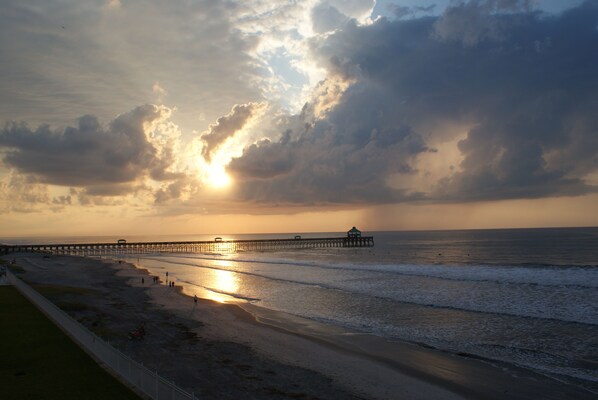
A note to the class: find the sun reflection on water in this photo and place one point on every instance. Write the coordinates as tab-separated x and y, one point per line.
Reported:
221	282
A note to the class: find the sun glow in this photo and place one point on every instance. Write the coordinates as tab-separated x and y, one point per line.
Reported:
222	284
217	177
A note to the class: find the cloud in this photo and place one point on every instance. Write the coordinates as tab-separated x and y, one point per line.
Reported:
159	90
403	11
514	93
473	21
173	190
109	160
326	18
343	158
265	159
109	56
17	193
226	127
329	15
112	4
490	100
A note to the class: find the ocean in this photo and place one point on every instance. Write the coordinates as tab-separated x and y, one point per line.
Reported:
523	296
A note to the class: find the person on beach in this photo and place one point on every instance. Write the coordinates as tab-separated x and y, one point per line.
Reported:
195	298
143	281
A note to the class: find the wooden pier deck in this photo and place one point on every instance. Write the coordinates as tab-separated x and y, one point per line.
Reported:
215	246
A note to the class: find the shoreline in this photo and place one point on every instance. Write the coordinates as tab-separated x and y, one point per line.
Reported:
361	365
281	340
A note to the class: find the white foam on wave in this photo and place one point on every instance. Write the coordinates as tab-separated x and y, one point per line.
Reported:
539	275
517	291
536	275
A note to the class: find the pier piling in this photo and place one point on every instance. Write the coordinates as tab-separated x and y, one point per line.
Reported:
220	246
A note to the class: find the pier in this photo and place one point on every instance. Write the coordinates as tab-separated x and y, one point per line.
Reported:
215	246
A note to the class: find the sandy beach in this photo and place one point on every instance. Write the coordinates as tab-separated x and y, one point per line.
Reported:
232	351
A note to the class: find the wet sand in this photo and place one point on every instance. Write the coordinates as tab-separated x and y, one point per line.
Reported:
231	351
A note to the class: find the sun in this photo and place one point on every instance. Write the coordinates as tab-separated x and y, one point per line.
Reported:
217	177
211	171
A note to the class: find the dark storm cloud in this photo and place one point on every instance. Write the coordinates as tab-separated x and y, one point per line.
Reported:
473	21
341	159
403	11
106	161
266	159
524	83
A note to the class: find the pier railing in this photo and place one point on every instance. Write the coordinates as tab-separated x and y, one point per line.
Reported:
216	246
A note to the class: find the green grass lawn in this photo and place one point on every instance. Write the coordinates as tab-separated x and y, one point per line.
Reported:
39	361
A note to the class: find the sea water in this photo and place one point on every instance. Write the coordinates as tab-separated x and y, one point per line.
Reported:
524	296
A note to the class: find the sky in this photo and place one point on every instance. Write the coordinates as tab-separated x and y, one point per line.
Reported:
205	116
